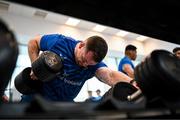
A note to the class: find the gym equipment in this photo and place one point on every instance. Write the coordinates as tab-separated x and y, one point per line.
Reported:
46	68
25	85
159	76
120	91
8	55
44	109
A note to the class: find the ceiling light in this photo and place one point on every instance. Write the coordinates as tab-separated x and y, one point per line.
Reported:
72	21
141	38
122	33
40	14
99	28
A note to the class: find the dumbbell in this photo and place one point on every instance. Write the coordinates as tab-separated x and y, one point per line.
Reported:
120	91
45	68
25	85
158	76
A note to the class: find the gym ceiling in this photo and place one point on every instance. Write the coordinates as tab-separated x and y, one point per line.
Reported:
154	18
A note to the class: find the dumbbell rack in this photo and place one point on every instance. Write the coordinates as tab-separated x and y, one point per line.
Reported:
109	109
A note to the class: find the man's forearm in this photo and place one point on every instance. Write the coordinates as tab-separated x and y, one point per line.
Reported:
120	77
33	50
111	77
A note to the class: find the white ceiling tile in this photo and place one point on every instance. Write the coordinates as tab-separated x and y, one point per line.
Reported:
56	18
111	31
131	36
86	25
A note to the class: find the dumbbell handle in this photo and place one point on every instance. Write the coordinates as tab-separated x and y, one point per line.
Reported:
134	95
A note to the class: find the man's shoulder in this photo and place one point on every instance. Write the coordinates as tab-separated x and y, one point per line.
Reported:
125	59
59	36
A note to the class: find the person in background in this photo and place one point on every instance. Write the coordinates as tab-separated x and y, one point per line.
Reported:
90	97
126	65
176	52
98	92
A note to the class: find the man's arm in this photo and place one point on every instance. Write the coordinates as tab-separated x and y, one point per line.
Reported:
111	77
33	51
129	70
34	48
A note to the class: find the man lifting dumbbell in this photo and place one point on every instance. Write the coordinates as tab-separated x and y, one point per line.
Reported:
82	60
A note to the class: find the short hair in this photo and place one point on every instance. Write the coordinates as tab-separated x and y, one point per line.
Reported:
176	49
130	47
98	90
97	45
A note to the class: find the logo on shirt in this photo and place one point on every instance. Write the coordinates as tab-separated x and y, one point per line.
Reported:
64	76
72	82
62	56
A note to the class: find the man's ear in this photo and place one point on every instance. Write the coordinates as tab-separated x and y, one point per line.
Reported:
82	44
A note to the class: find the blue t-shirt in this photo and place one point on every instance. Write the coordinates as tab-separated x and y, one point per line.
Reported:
123	61
66	86
94	99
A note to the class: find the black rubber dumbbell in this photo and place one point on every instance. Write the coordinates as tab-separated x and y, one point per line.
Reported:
46	68
120	92
25	85
159	76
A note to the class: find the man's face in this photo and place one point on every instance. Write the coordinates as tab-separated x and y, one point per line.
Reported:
133	54
85	57
178	54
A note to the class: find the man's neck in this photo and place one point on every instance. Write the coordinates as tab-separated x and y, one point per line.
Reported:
128	57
